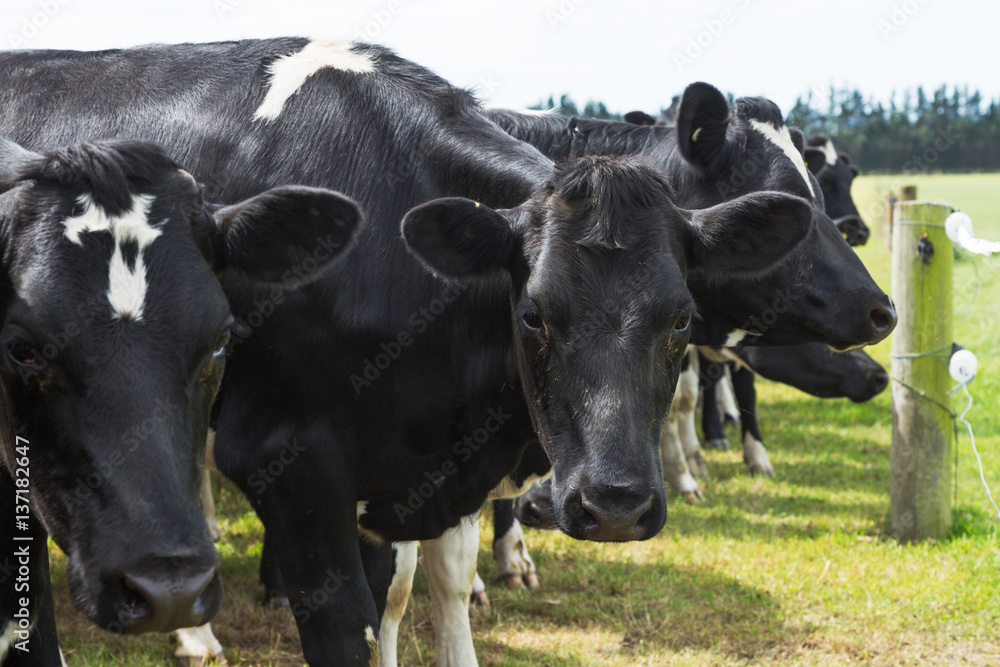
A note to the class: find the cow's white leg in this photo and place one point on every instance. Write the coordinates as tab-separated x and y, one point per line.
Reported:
208	505
686	402
398	596
675	468
479	600
450	565
755	456
196	646
513	560
724	396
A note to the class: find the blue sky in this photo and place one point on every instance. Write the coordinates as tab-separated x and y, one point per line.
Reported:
630	54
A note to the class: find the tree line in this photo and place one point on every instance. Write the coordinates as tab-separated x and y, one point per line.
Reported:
916	131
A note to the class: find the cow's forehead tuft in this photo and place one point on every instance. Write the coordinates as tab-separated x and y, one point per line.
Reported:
780	137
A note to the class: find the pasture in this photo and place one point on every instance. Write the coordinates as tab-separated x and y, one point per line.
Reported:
792	570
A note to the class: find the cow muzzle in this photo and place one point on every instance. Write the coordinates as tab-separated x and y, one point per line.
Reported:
604	513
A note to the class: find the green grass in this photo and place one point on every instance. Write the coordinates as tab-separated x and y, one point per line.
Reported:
795	570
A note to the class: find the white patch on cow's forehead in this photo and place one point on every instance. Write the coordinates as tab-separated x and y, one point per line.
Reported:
830	152
288	73
126	286
783	140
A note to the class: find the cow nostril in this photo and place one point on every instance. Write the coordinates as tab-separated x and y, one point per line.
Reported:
883	319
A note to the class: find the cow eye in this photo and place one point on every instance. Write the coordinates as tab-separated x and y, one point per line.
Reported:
221	342
532	322
682	323
22	351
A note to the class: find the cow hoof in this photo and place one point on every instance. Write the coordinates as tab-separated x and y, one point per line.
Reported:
763	471
731	420
692	497
513	580
531	580
697	466
755	456
207	661
277	602
214	531
721	444
479	601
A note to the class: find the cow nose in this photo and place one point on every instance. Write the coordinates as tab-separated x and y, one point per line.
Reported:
161	603
883	319
614	514
880	379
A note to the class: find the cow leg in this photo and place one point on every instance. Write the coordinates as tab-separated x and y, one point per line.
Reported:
310	515
675	467
208	505
711	425
450	565
686	400
754	454
197	646
275	596
514	562
42	641
404	567
479	600
730	412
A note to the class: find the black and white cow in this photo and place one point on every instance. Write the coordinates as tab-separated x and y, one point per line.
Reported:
811	368
835	173
564	314
113	341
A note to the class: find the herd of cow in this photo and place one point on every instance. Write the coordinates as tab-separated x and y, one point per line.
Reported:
420	303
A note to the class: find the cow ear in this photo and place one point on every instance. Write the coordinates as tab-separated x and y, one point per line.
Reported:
747	236
855	169
639	118
798	140
461	238
702	119
287	235
13	160
815	160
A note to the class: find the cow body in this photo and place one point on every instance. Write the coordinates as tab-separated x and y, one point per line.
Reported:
394	401
114	333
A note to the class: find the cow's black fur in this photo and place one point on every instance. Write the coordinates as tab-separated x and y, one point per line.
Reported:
835	180
114	407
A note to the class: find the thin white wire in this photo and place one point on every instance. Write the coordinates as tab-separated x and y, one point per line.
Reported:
972	441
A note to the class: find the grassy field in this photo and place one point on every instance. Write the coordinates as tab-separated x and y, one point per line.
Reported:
792	570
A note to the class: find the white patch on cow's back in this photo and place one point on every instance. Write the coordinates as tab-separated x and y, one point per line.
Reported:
126	286
830	152
288	73
735	337
783	140
486	105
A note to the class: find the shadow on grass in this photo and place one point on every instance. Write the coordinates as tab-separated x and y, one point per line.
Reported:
626	609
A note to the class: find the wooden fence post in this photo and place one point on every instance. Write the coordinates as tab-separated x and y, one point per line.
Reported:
921	468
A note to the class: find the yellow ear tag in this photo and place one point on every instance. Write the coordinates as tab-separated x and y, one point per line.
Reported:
694	135
477	204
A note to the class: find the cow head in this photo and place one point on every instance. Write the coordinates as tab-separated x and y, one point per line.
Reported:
814	369
600	316
113	344
822	292
835	173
